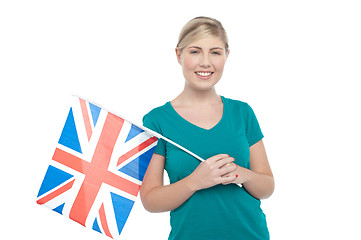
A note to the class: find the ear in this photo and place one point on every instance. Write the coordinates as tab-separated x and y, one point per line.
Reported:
227	53
177	52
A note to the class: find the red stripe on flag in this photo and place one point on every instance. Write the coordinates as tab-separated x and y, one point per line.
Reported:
121	183
135	150
56	193
103	221
98	172
95	173
87	123
71	161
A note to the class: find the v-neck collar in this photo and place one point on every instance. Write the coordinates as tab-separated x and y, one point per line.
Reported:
196	126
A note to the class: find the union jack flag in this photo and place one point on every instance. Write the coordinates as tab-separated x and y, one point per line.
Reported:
96	171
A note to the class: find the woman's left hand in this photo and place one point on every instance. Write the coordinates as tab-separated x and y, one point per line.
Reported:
241	175
259	180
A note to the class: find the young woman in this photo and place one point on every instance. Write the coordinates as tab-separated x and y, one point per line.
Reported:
203	197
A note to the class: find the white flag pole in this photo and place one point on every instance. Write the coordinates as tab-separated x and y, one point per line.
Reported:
170	141
148	130
174	143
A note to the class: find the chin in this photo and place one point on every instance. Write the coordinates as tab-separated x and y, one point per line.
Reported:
202	85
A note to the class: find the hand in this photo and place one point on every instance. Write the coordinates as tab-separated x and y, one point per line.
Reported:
240	174
215	170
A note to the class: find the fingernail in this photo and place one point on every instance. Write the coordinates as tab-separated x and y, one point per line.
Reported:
236	175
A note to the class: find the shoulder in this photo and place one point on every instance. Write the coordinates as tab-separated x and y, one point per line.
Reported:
153	117
155	112
237	106
234	101
158	113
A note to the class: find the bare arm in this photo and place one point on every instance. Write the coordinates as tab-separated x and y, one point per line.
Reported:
159	198
259	180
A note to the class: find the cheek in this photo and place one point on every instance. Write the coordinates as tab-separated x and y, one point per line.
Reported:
189	63
219	64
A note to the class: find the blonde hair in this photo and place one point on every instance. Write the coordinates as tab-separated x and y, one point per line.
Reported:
201	27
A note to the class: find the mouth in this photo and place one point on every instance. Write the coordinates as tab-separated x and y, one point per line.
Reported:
204	75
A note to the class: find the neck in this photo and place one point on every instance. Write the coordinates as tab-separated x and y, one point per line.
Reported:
194	97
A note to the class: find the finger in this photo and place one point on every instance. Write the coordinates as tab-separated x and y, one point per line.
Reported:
229	179
229	174
224	161
216	158
227	169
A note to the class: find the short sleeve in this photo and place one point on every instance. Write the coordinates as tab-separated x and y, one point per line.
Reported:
148	122
253	130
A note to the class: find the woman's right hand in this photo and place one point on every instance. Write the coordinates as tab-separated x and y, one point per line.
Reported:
213	171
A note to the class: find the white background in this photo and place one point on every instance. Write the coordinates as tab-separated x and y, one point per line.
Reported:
297	63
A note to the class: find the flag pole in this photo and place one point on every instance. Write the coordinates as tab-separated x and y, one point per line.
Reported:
170	141
175	144
147	130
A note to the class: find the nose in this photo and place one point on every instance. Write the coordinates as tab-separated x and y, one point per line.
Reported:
204	61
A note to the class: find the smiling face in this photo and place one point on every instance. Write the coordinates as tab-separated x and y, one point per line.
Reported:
203	62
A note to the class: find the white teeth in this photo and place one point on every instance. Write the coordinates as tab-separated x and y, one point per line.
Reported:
204	74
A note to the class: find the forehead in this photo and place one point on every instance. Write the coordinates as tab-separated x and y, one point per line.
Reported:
208	43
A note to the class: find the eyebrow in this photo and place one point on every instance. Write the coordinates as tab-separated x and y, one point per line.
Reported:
214	48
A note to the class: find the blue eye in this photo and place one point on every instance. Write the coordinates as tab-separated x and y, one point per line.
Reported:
194	52
216	53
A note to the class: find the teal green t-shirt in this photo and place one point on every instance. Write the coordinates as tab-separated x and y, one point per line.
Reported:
223	211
